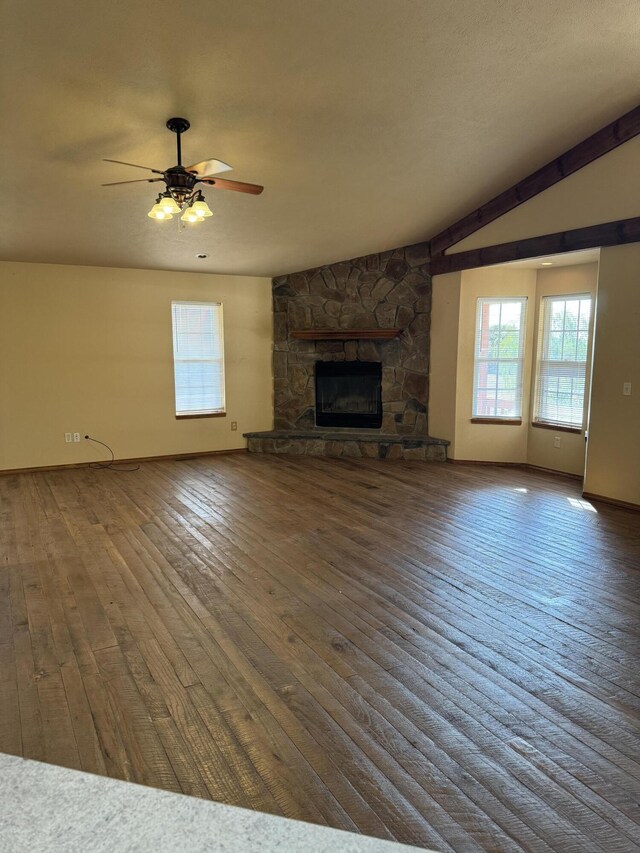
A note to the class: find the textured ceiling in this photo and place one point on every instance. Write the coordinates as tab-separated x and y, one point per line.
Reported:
371	123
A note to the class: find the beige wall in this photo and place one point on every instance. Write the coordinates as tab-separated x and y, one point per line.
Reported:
89	349
605	190
569	457
612	468
452	353
613	452
443	360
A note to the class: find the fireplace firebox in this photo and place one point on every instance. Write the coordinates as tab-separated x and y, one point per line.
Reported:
349	394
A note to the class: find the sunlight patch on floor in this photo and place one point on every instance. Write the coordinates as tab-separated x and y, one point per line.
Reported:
580	503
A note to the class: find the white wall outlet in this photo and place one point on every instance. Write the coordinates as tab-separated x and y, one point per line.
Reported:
626	389
76	436
556	441
68	437
234	425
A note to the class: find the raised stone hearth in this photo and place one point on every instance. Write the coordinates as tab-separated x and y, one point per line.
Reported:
349	443
387	298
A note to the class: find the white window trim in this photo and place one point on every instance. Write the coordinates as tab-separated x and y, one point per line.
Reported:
519	360
576	366
208	412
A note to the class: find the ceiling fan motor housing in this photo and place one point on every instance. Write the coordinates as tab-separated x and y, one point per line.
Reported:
180	183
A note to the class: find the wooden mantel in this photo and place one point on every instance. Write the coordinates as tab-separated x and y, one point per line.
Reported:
345	334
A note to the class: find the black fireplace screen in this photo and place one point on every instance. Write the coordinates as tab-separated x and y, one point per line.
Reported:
349	394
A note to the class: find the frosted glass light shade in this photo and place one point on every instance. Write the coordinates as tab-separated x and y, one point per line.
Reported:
201	209
190	216
169	204
157	212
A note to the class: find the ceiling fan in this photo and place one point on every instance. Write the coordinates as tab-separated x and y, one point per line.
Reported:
181	195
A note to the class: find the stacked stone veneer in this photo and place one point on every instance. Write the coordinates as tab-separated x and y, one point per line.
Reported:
347	445
383	291
389	290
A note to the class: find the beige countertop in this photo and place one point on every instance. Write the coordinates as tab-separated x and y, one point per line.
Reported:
48	809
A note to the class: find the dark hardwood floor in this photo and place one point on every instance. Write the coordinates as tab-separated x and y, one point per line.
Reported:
444	655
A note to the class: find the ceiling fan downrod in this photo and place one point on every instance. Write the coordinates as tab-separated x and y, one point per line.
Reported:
178	126
180	183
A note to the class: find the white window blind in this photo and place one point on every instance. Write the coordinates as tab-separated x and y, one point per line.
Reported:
563	348
198	357
499	355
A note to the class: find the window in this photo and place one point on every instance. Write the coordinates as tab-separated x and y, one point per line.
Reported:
499	354
198	358
563	348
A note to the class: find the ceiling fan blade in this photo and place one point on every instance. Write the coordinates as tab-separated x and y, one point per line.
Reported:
206	168
237	186
135	165
139	181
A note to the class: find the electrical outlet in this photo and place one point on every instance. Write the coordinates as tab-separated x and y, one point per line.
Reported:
626	389
234	425
556	441
76	436
68	437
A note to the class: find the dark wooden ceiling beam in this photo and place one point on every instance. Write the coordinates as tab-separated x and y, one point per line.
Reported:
618	132
591	237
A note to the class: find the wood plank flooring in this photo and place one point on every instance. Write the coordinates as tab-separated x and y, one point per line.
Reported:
443	655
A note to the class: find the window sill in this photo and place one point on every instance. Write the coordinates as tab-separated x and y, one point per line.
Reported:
556	427
498	421
201	415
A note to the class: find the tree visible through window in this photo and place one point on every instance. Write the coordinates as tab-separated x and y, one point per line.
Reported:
563	350
499	355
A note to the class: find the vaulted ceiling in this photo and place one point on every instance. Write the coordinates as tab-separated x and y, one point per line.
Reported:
371	123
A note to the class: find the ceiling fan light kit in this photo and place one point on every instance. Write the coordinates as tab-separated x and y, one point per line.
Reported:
158	212
200	206
181	195
168	203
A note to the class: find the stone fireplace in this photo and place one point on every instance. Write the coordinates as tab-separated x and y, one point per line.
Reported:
331	325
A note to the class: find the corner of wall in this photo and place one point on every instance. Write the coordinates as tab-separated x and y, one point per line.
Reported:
444	356
613	452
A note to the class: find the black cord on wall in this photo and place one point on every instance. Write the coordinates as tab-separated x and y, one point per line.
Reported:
112	465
